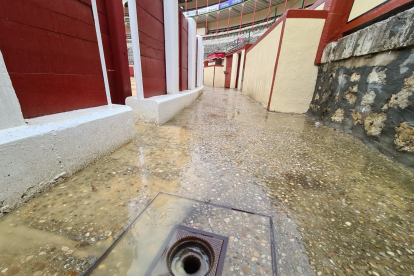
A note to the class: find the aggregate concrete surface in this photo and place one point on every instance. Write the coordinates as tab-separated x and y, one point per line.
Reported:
339	207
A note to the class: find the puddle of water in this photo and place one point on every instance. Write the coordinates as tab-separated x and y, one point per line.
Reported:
88	211
338	207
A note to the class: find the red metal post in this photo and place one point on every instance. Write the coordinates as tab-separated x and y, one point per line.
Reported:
268	13
254	14
304	5
241	17
206	23
218	17
285	6
185	5
228	23
206	19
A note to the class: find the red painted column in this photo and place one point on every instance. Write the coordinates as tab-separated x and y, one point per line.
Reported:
285	6
254	14
117	36
241	17
337	17
268	13
206	23
185	5
304	4
228	23
218	17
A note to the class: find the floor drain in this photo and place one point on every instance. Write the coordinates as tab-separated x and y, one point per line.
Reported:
189	251
161	241
191	264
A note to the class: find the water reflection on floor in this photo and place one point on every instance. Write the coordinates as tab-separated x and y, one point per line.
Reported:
339	207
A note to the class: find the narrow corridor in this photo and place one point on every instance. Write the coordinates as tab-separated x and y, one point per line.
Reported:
338	207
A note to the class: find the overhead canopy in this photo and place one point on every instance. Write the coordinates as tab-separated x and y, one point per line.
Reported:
236	10
216	55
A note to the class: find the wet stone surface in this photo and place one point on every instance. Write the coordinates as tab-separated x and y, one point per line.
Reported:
339	208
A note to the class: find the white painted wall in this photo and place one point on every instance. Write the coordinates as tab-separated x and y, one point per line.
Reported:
260	66
200	61
48	149
135	48
159	109
296	73
192	53
10	111
171	46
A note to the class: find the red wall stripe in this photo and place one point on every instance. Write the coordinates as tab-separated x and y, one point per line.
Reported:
277	62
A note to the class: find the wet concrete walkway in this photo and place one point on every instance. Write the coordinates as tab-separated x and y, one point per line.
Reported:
339	208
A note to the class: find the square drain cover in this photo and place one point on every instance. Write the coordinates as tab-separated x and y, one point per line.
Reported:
213	246
191	236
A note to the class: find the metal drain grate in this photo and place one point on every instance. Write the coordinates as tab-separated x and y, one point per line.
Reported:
215	247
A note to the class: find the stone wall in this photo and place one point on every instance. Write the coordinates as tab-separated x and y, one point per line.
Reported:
366	87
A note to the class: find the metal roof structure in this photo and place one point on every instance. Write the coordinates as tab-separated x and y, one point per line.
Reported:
236	10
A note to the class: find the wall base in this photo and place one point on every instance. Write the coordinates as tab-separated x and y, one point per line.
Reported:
49	149
160	109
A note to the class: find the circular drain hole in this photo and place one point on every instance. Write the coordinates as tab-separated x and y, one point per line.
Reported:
191	264
190	256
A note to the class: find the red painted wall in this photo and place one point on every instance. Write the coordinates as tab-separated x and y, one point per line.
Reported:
152	45
121	84
183	37
51	53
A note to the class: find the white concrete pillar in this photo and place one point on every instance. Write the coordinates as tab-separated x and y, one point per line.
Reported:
192	52
200	61
171	45
10	111
101	51
133	21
